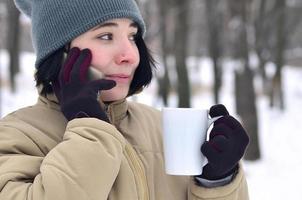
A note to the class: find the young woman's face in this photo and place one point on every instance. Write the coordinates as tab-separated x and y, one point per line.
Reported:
114	54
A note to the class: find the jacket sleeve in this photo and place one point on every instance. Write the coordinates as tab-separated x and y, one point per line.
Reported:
235	190
83	166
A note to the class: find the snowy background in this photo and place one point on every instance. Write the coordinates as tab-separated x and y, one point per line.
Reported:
277	176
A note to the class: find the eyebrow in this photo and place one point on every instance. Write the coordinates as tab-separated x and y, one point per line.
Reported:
112	24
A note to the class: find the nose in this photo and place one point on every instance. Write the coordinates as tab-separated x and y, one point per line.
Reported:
127	52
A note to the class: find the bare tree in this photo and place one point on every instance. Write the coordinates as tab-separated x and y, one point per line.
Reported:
180	52
159	11
245	92
263	31
13	41
164	80
274	28
276	92
215	27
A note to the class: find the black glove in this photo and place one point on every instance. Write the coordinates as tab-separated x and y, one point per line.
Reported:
226	146
78	96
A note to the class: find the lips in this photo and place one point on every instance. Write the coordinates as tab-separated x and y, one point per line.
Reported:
120	78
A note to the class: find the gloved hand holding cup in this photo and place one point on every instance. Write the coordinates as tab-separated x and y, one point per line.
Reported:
184	132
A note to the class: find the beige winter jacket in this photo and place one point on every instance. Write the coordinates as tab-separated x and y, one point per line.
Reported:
44	157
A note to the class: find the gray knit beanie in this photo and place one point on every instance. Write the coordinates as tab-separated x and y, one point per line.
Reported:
56	22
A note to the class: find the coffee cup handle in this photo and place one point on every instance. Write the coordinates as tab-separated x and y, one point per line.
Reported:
212	120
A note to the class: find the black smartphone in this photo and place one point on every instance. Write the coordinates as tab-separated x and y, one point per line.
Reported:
94	74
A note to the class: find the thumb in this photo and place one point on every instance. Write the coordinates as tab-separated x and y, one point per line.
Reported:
102	84
218	110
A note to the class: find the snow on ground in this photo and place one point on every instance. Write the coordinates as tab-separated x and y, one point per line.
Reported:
276	176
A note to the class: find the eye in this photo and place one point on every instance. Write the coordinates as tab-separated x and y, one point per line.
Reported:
107	36
132	37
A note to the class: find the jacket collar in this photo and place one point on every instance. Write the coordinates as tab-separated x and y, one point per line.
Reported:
116	111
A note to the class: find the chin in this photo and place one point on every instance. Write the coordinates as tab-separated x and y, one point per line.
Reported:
113	95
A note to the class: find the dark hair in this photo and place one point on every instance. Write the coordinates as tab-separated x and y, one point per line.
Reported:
49	69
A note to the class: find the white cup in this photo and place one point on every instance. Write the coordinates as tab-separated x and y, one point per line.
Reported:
184	131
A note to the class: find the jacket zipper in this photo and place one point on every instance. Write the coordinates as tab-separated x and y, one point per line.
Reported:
108	112
134	162
139	172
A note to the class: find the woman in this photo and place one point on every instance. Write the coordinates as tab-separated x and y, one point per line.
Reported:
83	140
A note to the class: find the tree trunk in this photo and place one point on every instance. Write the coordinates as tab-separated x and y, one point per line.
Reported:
248	112
261	48
13	42
245	92
214	20
164	81
277	97
180	52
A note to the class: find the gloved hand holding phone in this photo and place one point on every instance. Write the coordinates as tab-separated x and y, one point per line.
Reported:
77	94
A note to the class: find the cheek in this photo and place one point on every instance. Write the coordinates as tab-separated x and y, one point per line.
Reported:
97	58
100	58
79	42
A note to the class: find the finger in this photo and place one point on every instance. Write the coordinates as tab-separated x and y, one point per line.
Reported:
64	74
80	68
102	84
230	121
218	110
220	129
242	137
220	143
209	152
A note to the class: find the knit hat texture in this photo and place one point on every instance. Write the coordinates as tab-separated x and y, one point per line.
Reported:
56	22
